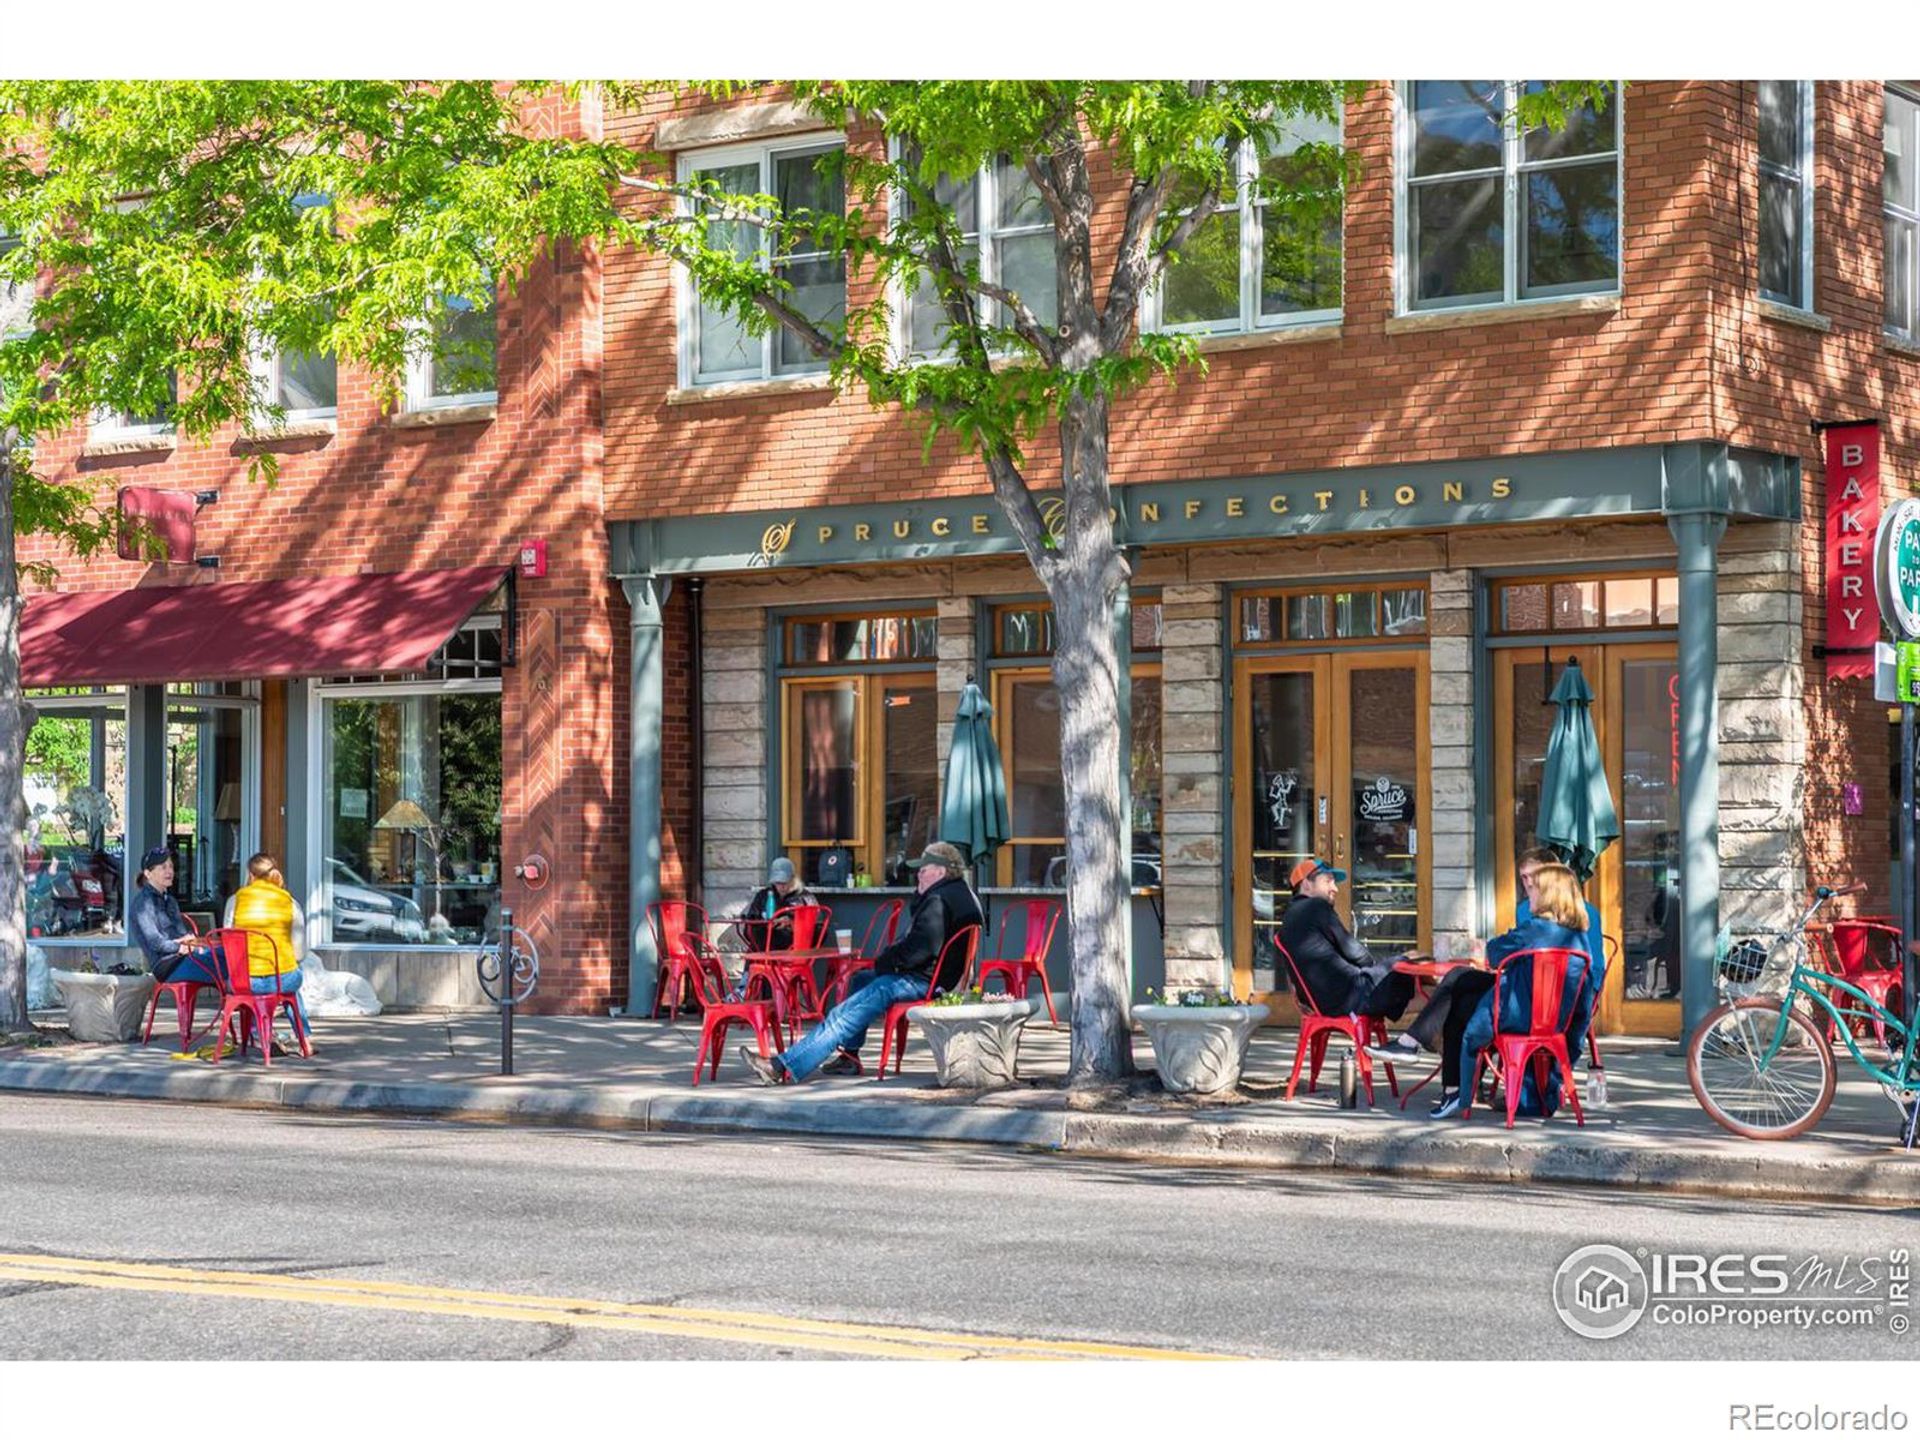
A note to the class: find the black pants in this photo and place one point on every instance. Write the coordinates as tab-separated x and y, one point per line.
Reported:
1443	1020
1389	995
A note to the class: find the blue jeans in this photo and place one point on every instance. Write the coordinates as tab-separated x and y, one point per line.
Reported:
195	967
845	1027
288	980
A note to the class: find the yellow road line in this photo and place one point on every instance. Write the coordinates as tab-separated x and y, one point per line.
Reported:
734	1326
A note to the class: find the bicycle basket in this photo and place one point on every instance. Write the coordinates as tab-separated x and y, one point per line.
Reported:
1744	961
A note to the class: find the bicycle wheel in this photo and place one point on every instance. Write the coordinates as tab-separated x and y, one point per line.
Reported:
1741	1089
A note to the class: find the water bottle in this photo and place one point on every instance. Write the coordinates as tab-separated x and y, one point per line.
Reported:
1349	1082
1596	1097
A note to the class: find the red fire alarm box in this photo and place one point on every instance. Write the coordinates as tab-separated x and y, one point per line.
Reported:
157	525
533	559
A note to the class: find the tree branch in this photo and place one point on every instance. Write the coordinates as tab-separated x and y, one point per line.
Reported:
941	258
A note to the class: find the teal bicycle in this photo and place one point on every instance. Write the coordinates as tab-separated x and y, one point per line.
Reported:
1759	1063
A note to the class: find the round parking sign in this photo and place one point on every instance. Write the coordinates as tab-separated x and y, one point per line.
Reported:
1896	568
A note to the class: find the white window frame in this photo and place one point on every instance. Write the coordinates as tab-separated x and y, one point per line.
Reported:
1514	168
1801	175
420	365
1252	214
319	877
14	292
987	240
267	370
49	705
117	425
686	292
1910	218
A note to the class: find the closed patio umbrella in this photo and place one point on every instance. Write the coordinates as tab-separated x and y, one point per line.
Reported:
1577	815
973	802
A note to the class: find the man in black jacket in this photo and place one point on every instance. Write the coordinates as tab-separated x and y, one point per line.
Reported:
945	906
1342	976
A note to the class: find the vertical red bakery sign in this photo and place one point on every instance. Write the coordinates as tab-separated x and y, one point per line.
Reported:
1853	514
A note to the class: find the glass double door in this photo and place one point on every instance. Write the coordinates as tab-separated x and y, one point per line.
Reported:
1636	716
1330	759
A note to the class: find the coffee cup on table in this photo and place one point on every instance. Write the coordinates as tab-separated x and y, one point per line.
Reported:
845	938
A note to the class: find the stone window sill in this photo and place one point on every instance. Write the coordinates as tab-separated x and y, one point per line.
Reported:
1900	345
446	415
298	433
1791	315
155	445
1503	314
747	389
1261	339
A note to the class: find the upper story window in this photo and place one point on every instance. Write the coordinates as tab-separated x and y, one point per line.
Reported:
1007	230
16	296
714	345
1900	187
1253	266
131	424
305	385
461	367
1786	192
1490	215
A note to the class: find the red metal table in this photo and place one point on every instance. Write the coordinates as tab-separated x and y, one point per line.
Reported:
788	976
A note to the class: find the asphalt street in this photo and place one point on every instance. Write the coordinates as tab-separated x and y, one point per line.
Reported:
132	1228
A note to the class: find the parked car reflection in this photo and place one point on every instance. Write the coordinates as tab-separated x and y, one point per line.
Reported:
364	915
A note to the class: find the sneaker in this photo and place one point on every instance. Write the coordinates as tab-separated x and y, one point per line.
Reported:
764	1069
842	1063
1401	1047
1449	1107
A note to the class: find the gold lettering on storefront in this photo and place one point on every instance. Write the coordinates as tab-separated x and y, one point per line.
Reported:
902	529
941	526
1278	504
1454	492
1149	510
826	533
1502	489
1366	500
980	525
1325	497
1193	508
1405	495
1236	507
863	532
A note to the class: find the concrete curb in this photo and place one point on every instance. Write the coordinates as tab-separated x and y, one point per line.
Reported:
1758	1171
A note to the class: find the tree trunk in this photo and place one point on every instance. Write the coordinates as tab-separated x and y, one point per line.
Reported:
13	755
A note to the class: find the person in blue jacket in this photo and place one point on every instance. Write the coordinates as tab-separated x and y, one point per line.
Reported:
1596	947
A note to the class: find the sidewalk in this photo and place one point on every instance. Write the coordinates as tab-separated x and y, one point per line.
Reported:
633	1074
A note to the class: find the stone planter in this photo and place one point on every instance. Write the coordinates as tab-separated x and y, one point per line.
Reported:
1199	1049
974	1046
107	1009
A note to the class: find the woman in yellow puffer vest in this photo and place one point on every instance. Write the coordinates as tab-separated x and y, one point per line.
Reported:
264	907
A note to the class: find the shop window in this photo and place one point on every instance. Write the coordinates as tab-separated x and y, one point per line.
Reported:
1900	199
1492	215
1614	602
1786	191
859	639
860	776
76	796
716	345
1256	264
1027	629
1319	616
210	805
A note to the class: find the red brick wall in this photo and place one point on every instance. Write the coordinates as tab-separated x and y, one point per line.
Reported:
377	497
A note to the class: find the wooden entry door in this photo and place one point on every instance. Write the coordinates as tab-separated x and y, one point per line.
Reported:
1636	715
1330	759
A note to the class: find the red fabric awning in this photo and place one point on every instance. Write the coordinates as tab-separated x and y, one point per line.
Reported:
333	625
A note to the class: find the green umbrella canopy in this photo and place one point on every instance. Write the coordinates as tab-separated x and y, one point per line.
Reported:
1577	816
973	802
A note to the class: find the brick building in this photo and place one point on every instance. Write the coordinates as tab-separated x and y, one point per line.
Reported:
1550	399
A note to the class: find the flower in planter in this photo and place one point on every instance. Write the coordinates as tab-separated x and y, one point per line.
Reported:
977	997
1192	998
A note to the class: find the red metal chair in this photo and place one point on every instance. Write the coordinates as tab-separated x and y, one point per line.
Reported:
1316	1030
1868	954
893	1030
185	995
880	931
1017	971
671	921
251	1015
789	983
1541	1042
719	1014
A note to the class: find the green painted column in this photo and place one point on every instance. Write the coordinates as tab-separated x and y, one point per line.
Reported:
1123	649
1697	535
646	644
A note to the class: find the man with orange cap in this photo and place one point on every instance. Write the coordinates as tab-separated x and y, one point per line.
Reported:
1341	975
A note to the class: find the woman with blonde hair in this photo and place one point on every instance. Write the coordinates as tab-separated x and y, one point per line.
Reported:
264	907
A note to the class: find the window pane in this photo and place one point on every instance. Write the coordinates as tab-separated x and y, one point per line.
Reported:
819	293
911	802
1146	779
1300	245
1588	131
203	777
413	819
1668	593
1780	123
1026	631
1017	200
1630	603
1259	618
1403	612
1458	240
1036	798
76	846
1898	181
1027	268
1039	865
1457	125
808	182
16	296
1149	628
724	345
1576	605
309	382
1780	239
463	349
1899	279
825	763
1353	615
1203	285
1523	607
926	316
1573	228
1307	617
